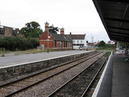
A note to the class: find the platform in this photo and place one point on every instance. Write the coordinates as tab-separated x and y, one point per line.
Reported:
9	61
114	81
18	67
120	80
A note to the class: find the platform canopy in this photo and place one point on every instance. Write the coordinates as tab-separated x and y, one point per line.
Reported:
115	17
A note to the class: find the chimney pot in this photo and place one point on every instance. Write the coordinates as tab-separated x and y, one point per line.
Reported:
62	31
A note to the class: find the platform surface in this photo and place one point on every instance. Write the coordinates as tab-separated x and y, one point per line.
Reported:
8	61
120	80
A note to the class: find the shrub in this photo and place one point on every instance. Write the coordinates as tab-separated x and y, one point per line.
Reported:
18	43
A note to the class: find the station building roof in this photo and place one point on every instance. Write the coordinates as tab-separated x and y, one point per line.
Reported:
61	37
115	17
77	36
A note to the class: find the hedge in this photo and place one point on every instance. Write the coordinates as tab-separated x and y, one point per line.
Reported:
18	43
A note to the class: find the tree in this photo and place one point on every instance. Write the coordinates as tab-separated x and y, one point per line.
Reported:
33	25
24	31
53	29
31	30
101	44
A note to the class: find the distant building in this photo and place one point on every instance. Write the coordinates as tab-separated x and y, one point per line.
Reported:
111	42
8	31
55	41
78	40
91	45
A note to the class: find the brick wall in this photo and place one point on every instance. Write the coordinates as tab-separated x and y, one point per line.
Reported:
48	42
51	43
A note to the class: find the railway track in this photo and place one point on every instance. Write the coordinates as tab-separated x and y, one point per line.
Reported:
11	89
79	85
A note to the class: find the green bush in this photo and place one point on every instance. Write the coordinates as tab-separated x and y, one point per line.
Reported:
18	43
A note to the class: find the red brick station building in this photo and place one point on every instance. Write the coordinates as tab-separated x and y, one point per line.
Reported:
55	41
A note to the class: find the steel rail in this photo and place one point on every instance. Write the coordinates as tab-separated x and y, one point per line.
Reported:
94	78
45	70
89	57
51	95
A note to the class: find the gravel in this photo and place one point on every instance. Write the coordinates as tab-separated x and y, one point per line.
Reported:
47	87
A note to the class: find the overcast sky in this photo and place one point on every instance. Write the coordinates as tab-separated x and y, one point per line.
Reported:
76	16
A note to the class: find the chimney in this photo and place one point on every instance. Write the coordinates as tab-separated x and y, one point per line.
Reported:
62	31
47	27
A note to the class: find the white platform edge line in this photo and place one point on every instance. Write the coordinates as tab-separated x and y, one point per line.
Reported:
101	78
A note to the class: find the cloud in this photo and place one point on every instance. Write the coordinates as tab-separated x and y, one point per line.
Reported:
76	16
